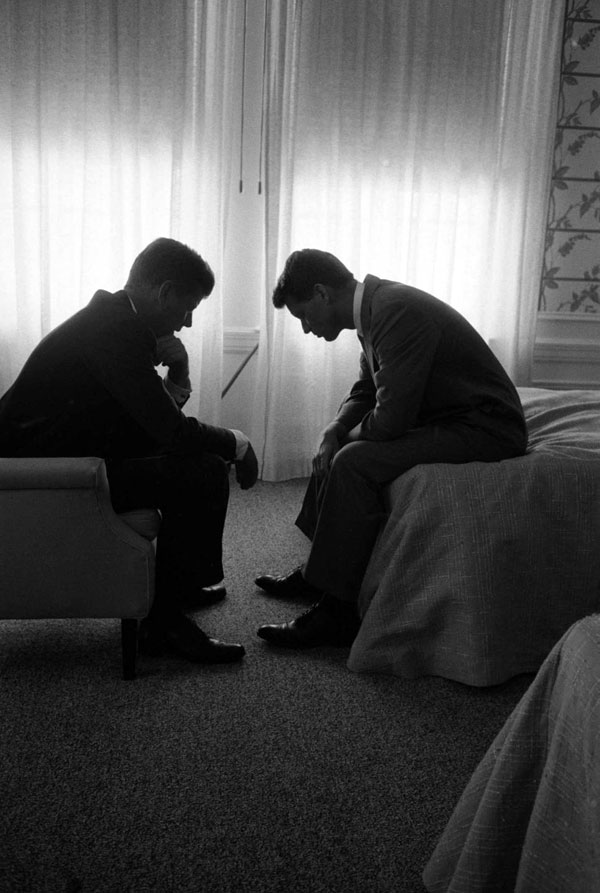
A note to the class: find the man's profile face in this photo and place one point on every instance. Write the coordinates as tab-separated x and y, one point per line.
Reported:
176	310
317	315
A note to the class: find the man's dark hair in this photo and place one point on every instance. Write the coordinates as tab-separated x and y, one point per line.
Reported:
168	259
303	270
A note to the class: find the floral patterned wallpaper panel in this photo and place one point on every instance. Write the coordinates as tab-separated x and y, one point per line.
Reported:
571	276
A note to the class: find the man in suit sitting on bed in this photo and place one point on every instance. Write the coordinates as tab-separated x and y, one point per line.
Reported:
429	390
90	388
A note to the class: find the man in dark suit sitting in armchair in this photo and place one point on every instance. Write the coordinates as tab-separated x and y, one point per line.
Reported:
90	388
429	390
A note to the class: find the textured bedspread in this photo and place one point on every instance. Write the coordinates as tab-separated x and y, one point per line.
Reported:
529	819
482	567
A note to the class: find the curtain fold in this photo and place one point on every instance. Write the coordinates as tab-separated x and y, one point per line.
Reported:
116	126
413	139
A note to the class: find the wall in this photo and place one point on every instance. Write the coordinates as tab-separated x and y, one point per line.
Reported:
567	349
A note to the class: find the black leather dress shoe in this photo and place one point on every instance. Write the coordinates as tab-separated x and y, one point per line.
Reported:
317	626
204	597
292	585
189	641
183	637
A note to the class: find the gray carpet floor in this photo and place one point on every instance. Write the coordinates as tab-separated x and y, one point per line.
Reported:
283	773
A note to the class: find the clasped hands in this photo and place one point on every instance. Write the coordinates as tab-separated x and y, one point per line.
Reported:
333	438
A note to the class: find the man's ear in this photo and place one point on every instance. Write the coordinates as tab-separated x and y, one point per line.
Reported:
165	294
322	292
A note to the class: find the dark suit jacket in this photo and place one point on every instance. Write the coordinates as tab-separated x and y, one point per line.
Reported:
90	388
429	366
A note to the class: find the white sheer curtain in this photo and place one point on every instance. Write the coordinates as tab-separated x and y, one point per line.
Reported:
412	138
115	128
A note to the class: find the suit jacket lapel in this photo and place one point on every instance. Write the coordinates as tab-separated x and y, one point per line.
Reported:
371	283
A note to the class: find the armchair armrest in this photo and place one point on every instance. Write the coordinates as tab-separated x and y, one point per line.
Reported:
63	473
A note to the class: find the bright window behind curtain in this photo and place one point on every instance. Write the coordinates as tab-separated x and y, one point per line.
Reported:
411	138
116	126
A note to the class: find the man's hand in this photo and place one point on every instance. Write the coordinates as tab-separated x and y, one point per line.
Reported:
171	352
329	446
246	469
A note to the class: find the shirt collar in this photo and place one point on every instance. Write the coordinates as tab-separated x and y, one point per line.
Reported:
357	306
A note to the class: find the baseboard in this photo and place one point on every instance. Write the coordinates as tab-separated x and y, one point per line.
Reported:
566	363
567	351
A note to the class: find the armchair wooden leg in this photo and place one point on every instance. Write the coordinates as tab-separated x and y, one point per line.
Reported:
129	646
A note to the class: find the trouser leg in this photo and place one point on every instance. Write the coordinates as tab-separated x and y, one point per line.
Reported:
192	495
350	508
349	515
311	505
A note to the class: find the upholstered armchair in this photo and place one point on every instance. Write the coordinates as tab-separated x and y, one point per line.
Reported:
64	552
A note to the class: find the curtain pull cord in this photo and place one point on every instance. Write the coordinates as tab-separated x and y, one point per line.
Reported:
243	95
262	101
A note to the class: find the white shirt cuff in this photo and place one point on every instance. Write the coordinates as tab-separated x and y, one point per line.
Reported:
241	442
180	395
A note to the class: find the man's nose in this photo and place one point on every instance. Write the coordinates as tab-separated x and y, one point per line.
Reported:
188	320
305	327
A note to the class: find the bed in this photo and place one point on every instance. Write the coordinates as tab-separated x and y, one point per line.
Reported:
529	818
482	567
